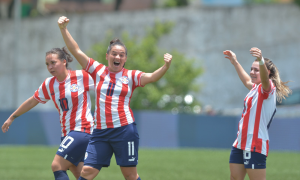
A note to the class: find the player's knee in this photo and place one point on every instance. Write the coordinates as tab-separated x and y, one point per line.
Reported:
232	177
88	172
131	176
55	166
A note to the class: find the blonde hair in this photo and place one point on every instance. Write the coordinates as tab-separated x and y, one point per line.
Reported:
282	90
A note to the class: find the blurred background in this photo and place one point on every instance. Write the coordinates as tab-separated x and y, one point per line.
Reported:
199	101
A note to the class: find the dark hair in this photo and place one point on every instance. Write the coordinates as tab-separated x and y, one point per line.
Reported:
62	53
116	42
282	90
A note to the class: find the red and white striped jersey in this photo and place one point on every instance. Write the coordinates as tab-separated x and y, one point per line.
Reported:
259	110
113	93
72	100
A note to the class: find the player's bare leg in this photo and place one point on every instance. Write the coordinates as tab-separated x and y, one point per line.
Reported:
60	166
89	173
237	171
256	174
129	173
76	170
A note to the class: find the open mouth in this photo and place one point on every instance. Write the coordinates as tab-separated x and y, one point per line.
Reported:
116	63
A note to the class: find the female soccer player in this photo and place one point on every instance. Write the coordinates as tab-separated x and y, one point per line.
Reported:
115	130
69	91
250	149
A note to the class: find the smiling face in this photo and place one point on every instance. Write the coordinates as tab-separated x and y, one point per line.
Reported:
56	67
254	73
116	58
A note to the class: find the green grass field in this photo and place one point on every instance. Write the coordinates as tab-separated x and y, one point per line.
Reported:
34	163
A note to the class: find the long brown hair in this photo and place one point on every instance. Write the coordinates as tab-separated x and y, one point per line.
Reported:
282	90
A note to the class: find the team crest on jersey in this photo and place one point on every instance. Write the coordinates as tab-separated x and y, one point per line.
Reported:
125	79
74	88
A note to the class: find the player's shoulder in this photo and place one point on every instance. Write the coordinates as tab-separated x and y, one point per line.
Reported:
48	79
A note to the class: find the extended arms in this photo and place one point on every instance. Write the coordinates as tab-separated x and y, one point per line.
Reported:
25	106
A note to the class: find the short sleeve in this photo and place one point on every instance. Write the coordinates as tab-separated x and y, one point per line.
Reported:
93	67
136	76
41	94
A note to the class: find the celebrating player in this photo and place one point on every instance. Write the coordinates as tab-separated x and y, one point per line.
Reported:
250	149
115	130
69	91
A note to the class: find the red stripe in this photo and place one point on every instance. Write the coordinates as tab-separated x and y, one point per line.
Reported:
85	125
237	139
245	124
51	84
74	96
121	111
257	143
45	92
61	96
98	90
90	63
267	147
139	78
36	96
94	74
108	100
53	94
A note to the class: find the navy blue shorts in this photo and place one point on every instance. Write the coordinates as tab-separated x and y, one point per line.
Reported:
251	160
122	141
73	146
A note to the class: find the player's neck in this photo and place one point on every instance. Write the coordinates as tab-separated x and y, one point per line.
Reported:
63	76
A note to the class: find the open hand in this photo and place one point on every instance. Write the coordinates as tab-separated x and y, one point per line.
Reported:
256	53
230	55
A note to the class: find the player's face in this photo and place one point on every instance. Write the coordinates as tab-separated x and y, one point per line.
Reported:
254	73
55	66
116	58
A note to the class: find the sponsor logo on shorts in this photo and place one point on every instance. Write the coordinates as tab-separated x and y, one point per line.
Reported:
246	162
74	88
86	155
132	159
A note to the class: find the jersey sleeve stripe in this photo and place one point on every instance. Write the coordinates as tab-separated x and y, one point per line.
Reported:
36	97
139	78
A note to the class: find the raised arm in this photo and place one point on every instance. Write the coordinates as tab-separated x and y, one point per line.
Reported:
25	106
263	71
73	47
156	75
244	76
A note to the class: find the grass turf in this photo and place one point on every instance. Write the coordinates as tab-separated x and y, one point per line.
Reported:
34	163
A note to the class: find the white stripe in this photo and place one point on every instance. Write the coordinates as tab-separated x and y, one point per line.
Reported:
129	152
252	166
132	148
66	156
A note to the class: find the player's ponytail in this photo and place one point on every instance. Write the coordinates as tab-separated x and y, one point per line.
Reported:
116	42
282	90
62	54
